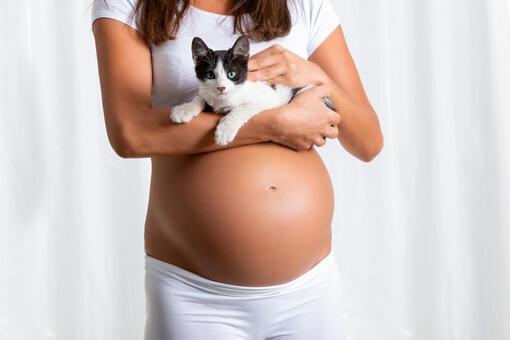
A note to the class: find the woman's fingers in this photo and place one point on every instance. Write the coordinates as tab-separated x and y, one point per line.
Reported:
264	58
318	92
331	131
269	74
308	125
260	61
277	65
320	141
274	72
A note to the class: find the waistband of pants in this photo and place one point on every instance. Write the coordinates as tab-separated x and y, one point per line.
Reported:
313	276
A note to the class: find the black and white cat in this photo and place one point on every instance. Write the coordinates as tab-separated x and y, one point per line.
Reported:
223	87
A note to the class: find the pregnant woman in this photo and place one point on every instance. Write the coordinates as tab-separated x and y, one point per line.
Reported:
237	237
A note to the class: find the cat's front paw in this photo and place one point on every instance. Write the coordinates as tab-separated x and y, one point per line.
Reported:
184	113
226	130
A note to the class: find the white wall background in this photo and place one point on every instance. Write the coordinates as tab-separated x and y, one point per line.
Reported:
421	233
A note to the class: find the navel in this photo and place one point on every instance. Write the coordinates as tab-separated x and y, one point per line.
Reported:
272	187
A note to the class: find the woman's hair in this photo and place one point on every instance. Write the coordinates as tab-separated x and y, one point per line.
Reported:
261	20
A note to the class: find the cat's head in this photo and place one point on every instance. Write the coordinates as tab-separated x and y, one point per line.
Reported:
221	71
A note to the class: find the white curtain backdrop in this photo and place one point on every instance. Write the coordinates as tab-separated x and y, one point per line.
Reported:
421	233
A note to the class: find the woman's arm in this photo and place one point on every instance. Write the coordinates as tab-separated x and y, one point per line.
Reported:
359	130
135	129
331	64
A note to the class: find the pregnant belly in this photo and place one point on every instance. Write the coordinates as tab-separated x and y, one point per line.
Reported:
254	215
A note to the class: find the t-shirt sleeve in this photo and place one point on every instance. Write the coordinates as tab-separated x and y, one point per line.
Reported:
322	20
121	10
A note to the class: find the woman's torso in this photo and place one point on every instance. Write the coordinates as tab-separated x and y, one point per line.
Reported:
252	215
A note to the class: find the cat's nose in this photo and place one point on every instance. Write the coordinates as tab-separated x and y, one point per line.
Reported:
221	89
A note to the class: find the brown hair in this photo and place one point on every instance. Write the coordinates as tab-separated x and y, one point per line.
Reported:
159	20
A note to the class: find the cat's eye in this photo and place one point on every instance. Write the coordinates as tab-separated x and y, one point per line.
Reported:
231	75
210	75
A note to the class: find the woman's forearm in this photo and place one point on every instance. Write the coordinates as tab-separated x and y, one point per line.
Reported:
303	123
153	133
359	130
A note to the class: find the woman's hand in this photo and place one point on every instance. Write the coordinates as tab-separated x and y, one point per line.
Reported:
330	64
277	65
306	121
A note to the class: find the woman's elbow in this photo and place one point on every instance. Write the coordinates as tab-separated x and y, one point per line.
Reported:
124	150
125	141
372	149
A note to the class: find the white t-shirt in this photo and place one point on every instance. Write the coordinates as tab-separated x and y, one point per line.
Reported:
173	71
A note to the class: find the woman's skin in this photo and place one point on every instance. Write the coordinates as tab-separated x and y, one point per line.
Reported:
251	212
330	65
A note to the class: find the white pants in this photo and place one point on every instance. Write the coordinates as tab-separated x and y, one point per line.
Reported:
182	305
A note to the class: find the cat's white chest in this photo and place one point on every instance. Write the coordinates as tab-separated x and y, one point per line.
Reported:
239	104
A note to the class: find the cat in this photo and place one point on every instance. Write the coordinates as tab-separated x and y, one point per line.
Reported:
224	88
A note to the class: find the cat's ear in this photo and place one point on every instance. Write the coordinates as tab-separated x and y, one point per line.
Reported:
198	49
241	47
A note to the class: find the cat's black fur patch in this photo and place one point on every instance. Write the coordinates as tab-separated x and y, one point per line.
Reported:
208	108
295	91
329	103
234	59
